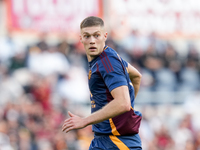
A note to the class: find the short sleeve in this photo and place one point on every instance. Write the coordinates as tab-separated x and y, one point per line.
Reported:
112	72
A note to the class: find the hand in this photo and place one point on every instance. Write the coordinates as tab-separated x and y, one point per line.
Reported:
74	122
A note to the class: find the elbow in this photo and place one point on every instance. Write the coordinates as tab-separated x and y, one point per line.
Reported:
136	77
126	107
140	76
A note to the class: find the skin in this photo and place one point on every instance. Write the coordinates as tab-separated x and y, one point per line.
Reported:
93	39
135	77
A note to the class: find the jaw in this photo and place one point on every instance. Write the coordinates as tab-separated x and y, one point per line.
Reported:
92	54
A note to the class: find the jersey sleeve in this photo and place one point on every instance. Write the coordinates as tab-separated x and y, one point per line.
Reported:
112	72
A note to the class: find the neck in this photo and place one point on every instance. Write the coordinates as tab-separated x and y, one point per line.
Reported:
89	58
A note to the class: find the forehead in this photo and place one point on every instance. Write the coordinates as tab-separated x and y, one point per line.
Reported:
91	30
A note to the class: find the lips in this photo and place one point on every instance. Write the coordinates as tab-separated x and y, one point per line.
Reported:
92	48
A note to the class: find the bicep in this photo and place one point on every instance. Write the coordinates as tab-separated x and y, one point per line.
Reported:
121	95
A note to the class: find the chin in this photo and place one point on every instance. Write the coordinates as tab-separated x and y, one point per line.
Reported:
94	54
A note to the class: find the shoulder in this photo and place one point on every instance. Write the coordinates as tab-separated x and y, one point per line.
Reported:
109	54
109	59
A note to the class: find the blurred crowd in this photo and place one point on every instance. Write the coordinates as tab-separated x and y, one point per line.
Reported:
40	83
164	65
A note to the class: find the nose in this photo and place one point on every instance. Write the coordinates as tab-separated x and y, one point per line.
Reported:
92	40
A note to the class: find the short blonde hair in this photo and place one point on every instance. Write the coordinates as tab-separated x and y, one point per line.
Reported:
91	21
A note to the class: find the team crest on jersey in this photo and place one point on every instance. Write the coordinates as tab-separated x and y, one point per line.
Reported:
89	75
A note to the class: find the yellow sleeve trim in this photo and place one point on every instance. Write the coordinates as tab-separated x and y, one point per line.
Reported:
113	127
118	143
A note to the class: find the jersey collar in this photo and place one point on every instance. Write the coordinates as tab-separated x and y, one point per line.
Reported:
91	63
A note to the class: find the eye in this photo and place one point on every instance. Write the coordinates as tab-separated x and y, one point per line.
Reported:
86	36
96	35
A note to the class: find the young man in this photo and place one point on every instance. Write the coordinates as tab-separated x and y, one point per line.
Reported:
113	84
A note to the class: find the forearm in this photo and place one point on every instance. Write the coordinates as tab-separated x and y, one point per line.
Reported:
136	84
111	110
120	104
135	77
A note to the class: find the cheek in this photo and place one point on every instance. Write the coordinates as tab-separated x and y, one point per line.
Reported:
85	42
101	41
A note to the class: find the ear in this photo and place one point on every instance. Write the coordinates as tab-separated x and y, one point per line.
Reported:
105	35
81	39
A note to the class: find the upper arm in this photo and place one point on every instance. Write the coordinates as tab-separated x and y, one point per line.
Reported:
133	72
112	73
121	96
116	81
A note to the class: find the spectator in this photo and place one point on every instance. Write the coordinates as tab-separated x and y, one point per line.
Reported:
37	89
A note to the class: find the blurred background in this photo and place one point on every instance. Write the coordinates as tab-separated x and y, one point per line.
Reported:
43	70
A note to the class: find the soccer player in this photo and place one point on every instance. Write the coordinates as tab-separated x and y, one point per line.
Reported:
113	85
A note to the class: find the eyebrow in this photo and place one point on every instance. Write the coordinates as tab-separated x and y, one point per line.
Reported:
92	33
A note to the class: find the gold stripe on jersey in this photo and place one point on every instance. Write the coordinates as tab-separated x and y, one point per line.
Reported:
89	74
113	127
118	143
